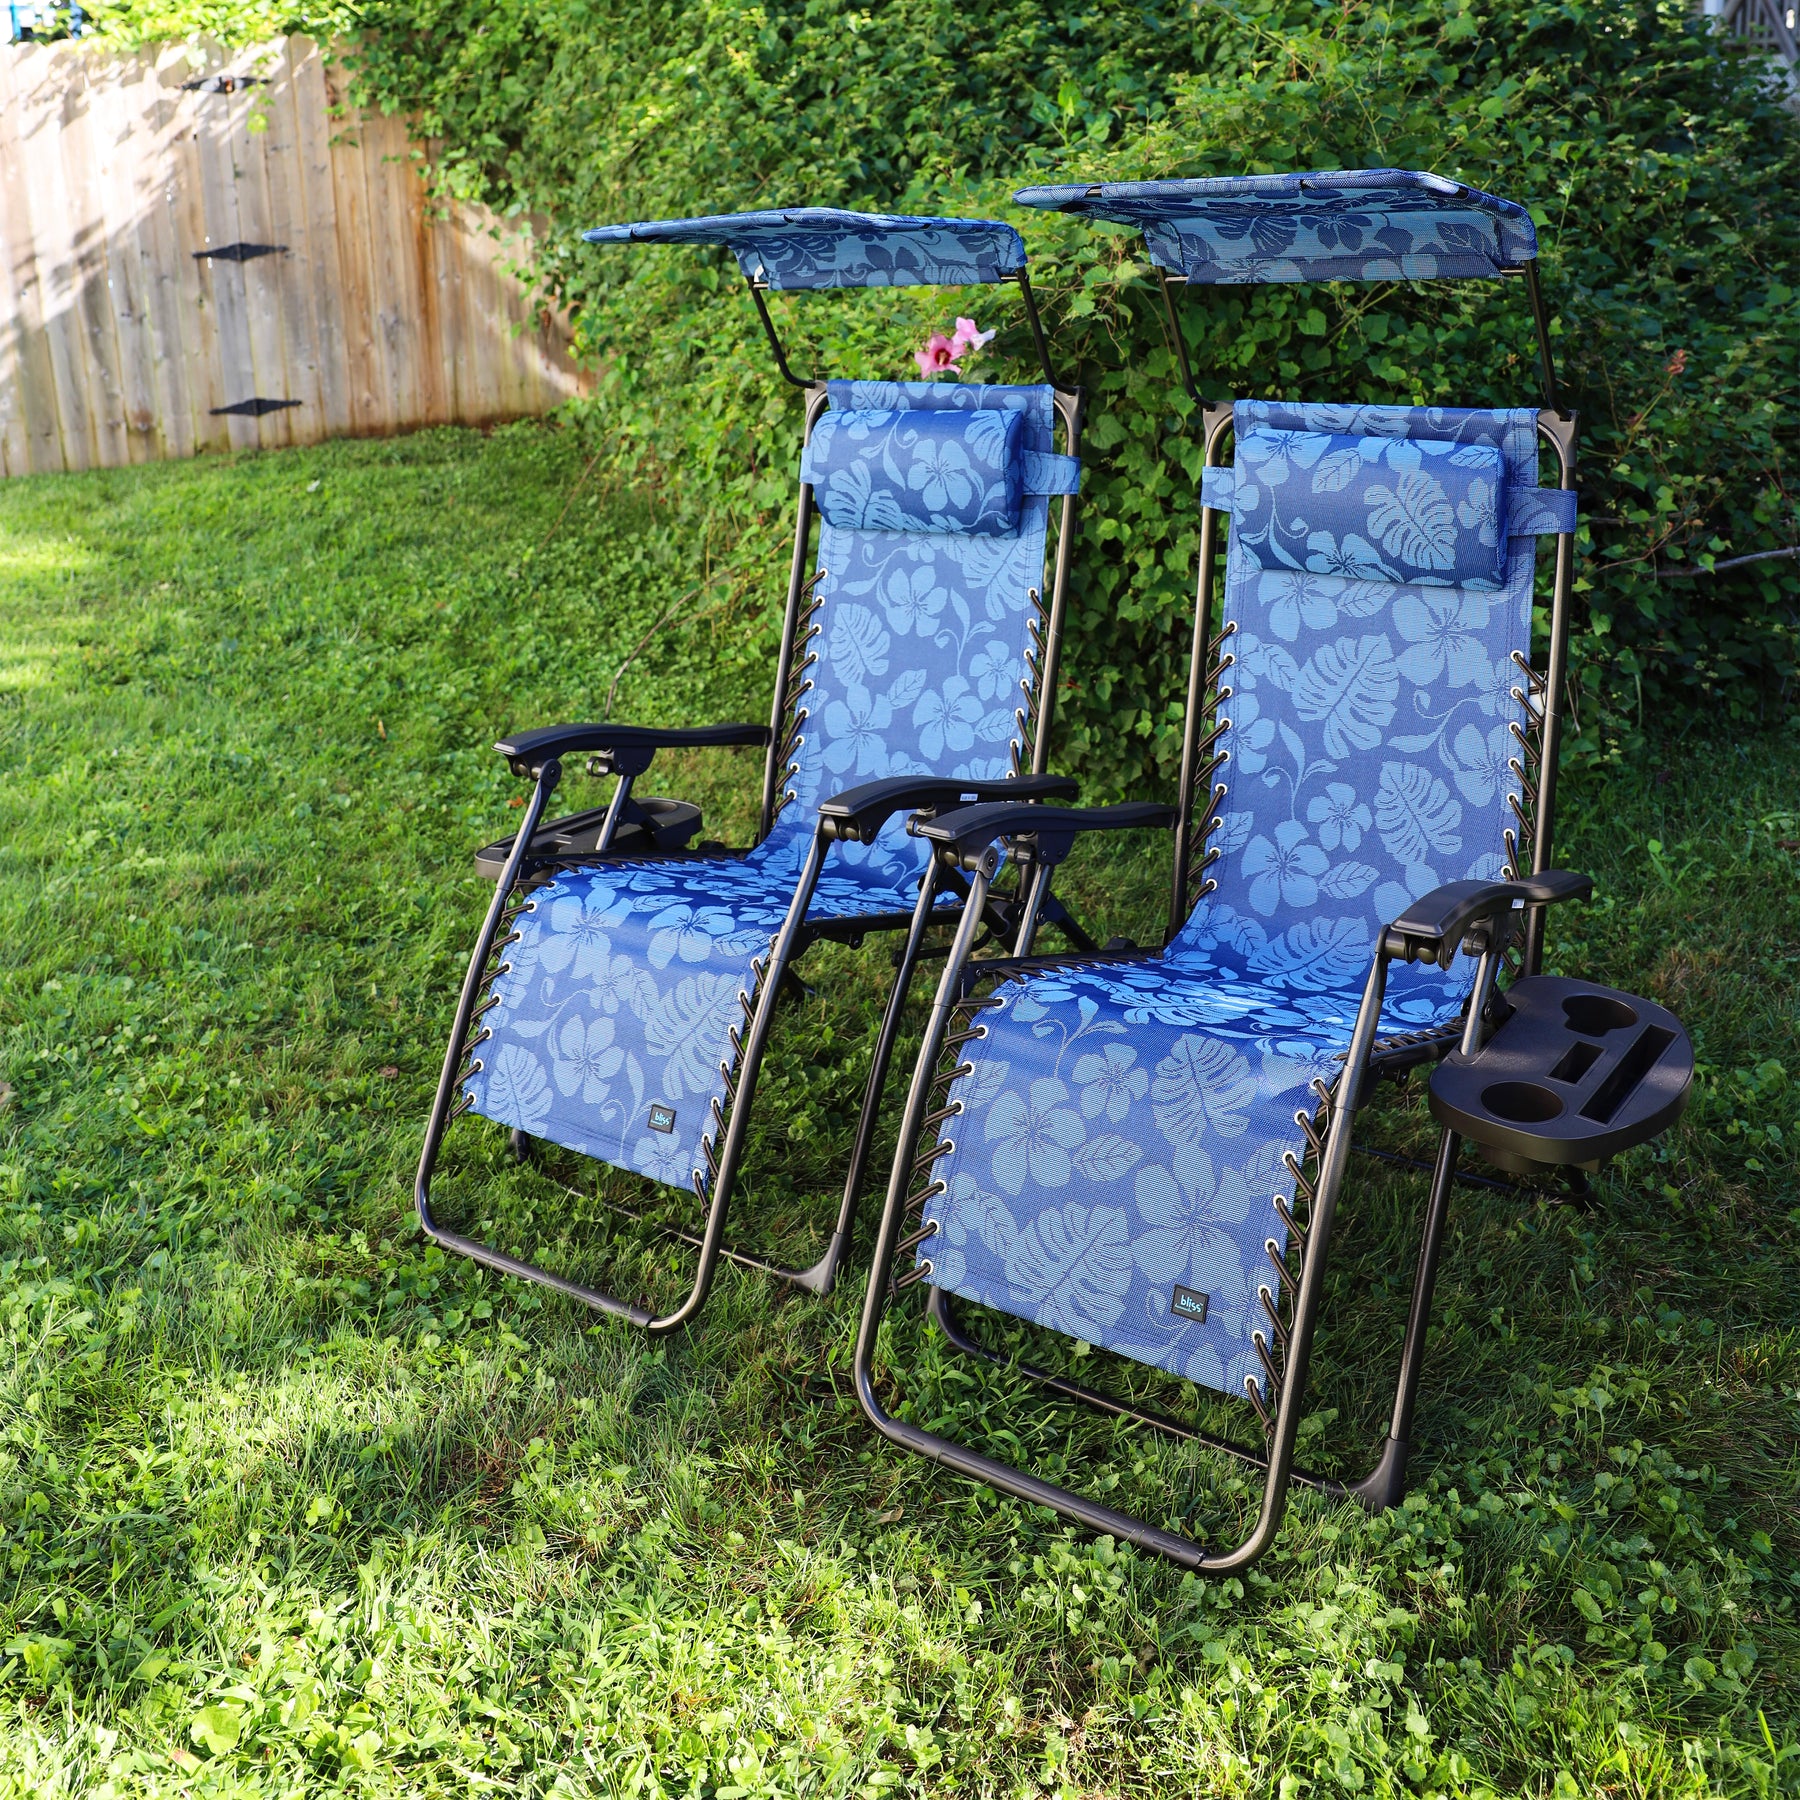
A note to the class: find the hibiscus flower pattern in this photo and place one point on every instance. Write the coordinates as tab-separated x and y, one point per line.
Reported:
623	985
1124	1125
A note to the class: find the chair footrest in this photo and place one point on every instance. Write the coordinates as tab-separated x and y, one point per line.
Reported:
1574	1074
659	827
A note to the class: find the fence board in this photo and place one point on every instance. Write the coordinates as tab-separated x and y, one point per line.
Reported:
382	312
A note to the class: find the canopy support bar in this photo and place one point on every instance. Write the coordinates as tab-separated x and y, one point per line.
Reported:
1540	317
1180	342
1037	327
781	361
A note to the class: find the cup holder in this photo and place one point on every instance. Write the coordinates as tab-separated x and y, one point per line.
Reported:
1522	1102
1594	1015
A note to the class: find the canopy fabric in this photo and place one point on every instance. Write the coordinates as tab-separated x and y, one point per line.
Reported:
825	247
1344	225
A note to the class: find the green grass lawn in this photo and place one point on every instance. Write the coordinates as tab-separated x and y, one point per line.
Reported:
293	1503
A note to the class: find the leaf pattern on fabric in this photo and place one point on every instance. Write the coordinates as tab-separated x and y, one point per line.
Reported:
1414	520
1075	1264
1416	814
1349	688
521	1086
1323	839
861	642
1202	1085
1106	1157
686	1029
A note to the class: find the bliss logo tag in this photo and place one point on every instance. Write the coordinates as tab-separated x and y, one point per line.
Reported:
1189	1305
662	1118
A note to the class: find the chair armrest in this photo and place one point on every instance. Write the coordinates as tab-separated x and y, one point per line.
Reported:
1052	830
624	749
1431	929
858	813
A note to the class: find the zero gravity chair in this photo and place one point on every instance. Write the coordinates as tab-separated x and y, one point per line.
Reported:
619	998
1143	1152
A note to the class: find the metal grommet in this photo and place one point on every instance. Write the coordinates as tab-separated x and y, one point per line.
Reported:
1260	1338
947	1146
1270	1245
1266	1294
927	1267
475	1068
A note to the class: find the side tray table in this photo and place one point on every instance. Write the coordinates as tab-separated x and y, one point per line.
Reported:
1573	1074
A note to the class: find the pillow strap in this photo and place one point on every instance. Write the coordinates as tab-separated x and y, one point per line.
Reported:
1218	486
1530	512
1045	473
1539	512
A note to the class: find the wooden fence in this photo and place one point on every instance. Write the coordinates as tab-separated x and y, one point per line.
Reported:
191	261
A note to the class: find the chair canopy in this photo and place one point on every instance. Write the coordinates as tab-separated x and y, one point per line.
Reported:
1343	225
1122	1150
825	247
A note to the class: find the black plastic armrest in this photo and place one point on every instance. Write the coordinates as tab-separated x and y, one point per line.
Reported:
1431	929
622	749
1052	830
858	813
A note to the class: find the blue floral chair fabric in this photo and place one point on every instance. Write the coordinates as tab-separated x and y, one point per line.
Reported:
611	1026
1123	1126
826	247
1341	225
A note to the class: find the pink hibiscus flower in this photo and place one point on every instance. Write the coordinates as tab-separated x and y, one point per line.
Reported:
939	356
968	336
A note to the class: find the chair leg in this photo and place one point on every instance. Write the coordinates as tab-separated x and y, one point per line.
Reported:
1385	1484
822	1276
445	1106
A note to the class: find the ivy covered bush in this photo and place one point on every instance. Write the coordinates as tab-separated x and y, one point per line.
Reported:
1656	158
